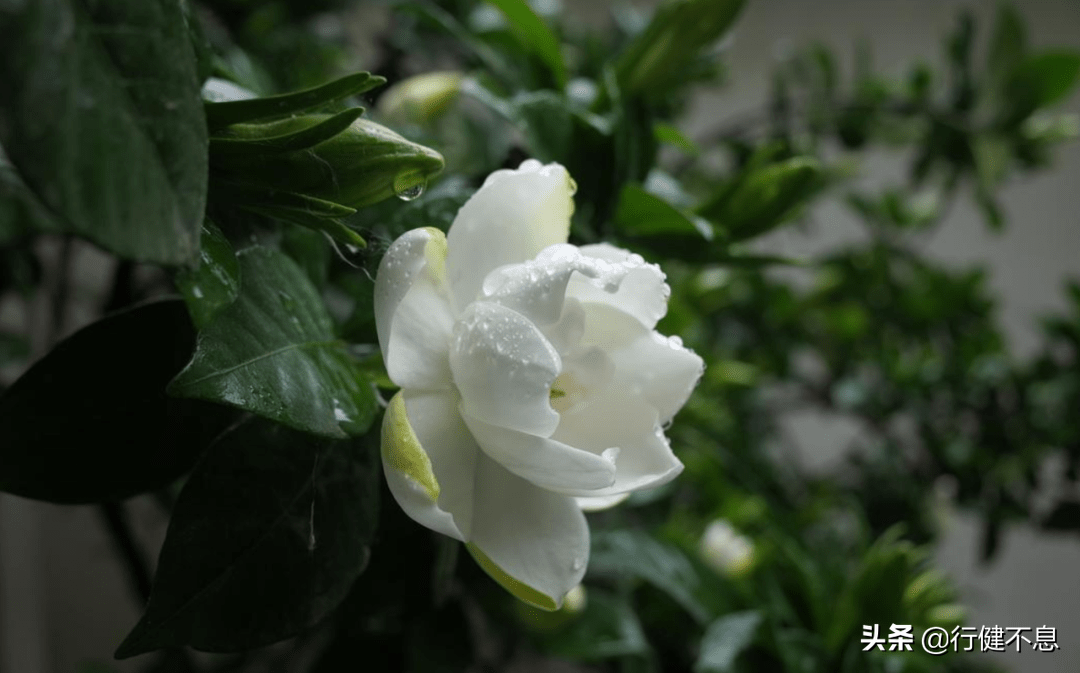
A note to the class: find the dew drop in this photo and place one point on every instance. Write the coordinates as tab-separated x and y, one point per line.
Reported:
409	185
577	564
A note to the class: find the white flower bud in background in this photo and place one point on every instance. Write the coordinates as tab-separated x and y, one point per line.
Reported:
420	99
725	550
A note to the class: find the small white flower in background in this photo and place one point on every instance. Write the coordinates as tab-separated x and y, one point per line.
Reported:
725	550
533	384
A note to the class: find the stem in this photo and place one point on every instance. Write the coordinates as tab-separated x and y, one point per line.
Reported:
116	520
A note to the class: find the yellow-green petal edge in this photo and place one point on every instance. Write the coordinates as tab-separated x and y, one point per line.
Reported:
519	589
402	450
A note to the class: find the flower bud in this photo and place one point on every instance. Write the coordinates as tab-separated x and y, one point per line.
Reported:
420	99
725	550
360	165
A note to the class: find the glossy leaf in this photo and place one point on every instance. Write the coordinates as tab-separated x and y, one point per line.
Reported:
725	639
106	125
215	283
90	421
273	352
268	535
220	115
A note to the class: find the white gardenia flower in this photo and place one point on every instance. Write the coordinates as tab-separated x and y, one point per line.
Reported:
533	384
726	550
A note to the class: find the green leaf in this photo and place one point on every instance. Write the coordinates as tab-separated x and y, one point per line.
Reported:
657	59
670	135
1008	44
533	34
607	628
636	554
214	284
1041	80
269	533
20	210
220	115
90	421
101	115
640	213
288	142
765	199
273	352
725	639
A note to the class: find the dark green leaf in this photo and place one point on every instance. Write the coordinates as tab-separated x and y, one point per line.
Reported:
220	115
1007	45
640	213
725	639
636	554
269	533
606	629
91	422
1040	81
214	284
533	34
765	199
20	210
272	352
101	115
311	251
658	57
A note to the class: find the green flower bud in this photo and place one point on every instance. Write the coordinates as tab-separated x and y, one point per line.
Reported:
358	166
420	99
675	37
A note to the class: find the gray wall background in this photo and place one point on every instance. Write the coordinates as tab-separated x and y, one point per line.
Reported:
64	599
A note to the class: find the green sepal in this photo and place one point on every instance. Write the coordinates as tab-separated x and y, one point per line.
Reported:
220	115
243	141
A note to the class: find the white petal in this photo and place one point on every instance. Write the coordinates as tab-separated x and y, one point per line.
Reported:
647	363
537	288
417	353
616	418
404	259
512	217
429	459
642	293
503	367
544	462
601	503
532	541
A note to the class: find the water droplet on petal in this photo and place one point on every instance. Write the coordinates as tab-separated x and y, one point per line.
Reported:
577	564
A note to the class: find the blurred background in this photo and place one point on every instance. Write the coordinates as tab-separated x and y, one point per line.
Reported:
66	602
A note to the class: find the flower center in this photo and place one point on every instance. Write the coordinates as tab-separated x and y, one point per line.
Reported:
566	392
